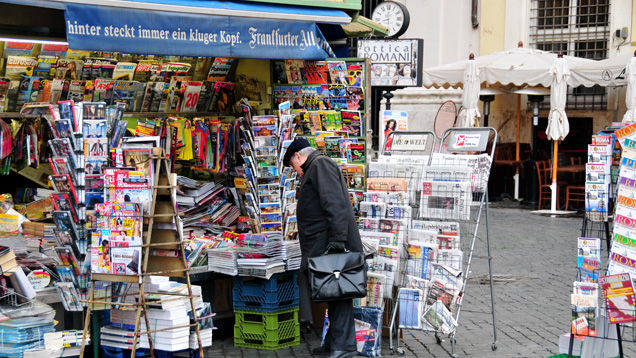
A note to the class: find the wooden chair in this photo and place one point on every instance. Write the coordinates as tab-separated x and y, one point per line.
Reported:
544	173
575	193
577	178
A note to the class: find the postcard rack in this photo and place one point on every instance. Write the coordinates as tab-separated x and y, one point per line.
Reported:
162	213
435	253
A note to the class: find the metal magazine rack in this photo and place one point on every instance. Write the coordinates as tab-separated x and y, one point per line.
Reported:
446	189
606	336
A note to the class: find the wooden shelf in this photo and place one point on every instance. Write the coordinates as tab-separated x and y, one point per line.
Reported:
175	114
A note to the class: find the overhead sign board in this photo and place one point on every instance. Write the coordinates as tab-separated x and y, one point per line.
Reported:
393	62
163	33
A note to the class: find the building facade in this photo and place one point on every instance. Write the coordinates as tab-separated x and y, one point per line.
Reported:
595	29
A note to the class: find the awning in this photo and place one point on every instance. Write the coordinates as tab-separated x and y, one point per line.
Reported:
197	28
361	26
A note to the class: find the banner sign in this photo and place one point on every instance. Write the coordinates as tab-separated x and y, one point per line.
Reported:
162	33
393	62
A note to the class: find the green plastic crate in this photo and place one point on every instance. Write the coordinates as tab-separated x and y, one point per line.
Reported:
266	330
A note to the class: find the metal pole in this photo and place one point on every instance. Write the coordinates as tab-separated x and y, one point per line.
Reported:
388	95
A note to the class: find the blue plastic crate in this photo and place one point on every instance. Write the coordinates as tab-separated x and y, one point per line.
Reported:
279	293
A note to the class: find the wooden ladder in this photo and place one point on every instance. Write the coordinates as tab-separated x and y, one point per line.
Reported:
161	211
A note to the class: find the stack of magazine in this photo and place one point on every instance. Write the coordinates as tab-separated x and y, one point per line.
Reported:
59	344
23	334
598	177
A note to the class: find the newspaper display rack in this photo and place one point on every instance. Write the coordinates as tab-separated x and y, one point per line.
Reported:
444	188
162	214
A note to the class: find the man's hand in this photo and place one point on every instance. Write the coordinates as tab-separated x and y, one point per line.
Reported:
336	245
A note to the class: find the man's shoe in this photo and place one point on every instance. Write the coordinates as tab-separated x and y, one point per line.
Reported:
321	351
343	354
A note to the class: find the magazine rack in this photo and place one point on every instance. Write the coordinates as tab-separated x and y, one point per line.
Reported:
162	211
461	211
605	332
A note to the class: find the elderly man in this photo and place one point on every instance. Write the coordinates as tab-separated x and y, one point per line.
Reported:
325	221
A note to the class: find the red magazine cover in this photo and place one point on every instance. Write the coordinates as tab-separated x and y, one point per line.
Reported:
618	295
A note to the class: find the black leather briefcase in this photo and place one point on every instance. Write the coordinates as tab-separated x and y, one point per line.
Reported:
338	276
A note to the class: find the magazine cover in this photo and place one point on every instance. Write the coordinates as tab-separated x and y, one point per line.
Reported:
63	202
223	98
337	72
618	296
584	312
191	91
66	274
62	166
67	258
293	69
94	128
125	260
100	253
96	147
95	165
70	297
63	184
63	237
94	191
64	128
76	91
103	90
352	122
355	98
125	92
139	159
61	147
220	68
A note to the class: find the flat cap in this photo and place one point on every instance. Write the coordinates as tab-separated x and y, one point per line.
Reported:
294	147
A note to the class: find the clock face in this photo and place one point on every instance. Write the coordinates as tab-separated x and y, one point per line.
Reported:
392	15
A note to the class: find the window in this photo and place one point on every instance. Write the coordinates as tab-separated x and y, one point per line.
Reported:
576	28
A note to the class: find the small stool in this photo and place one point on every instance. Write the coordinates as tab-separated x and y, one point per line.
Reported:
575	193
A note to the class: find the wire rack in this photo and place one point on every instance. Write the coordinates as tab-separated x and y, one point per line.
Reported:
445	187
422	210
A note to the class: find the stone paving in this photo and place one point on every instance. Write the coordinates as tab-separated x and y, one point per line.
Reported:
534	266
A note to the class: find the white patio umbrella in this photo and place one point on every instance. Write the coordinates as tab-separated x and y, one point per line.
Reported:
558	126
518	66
470	96
630	96
606	73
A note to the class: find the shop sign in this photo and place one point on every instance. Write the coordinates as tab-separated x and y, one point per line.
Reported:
393	62
409	142
103	28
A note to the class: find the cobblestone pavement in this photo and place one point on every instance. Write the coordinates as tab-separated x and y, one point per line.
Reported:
534	264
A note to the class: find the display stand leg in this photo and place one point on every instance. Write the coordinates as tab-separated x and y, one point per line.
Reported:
608	238
492	283
87	321
571	346
137	325
95	335
393	326
619	340
142	300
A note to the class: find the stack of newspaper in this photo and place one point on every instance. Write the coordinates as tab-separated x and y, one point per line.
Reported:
260	255
223	260
292	255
